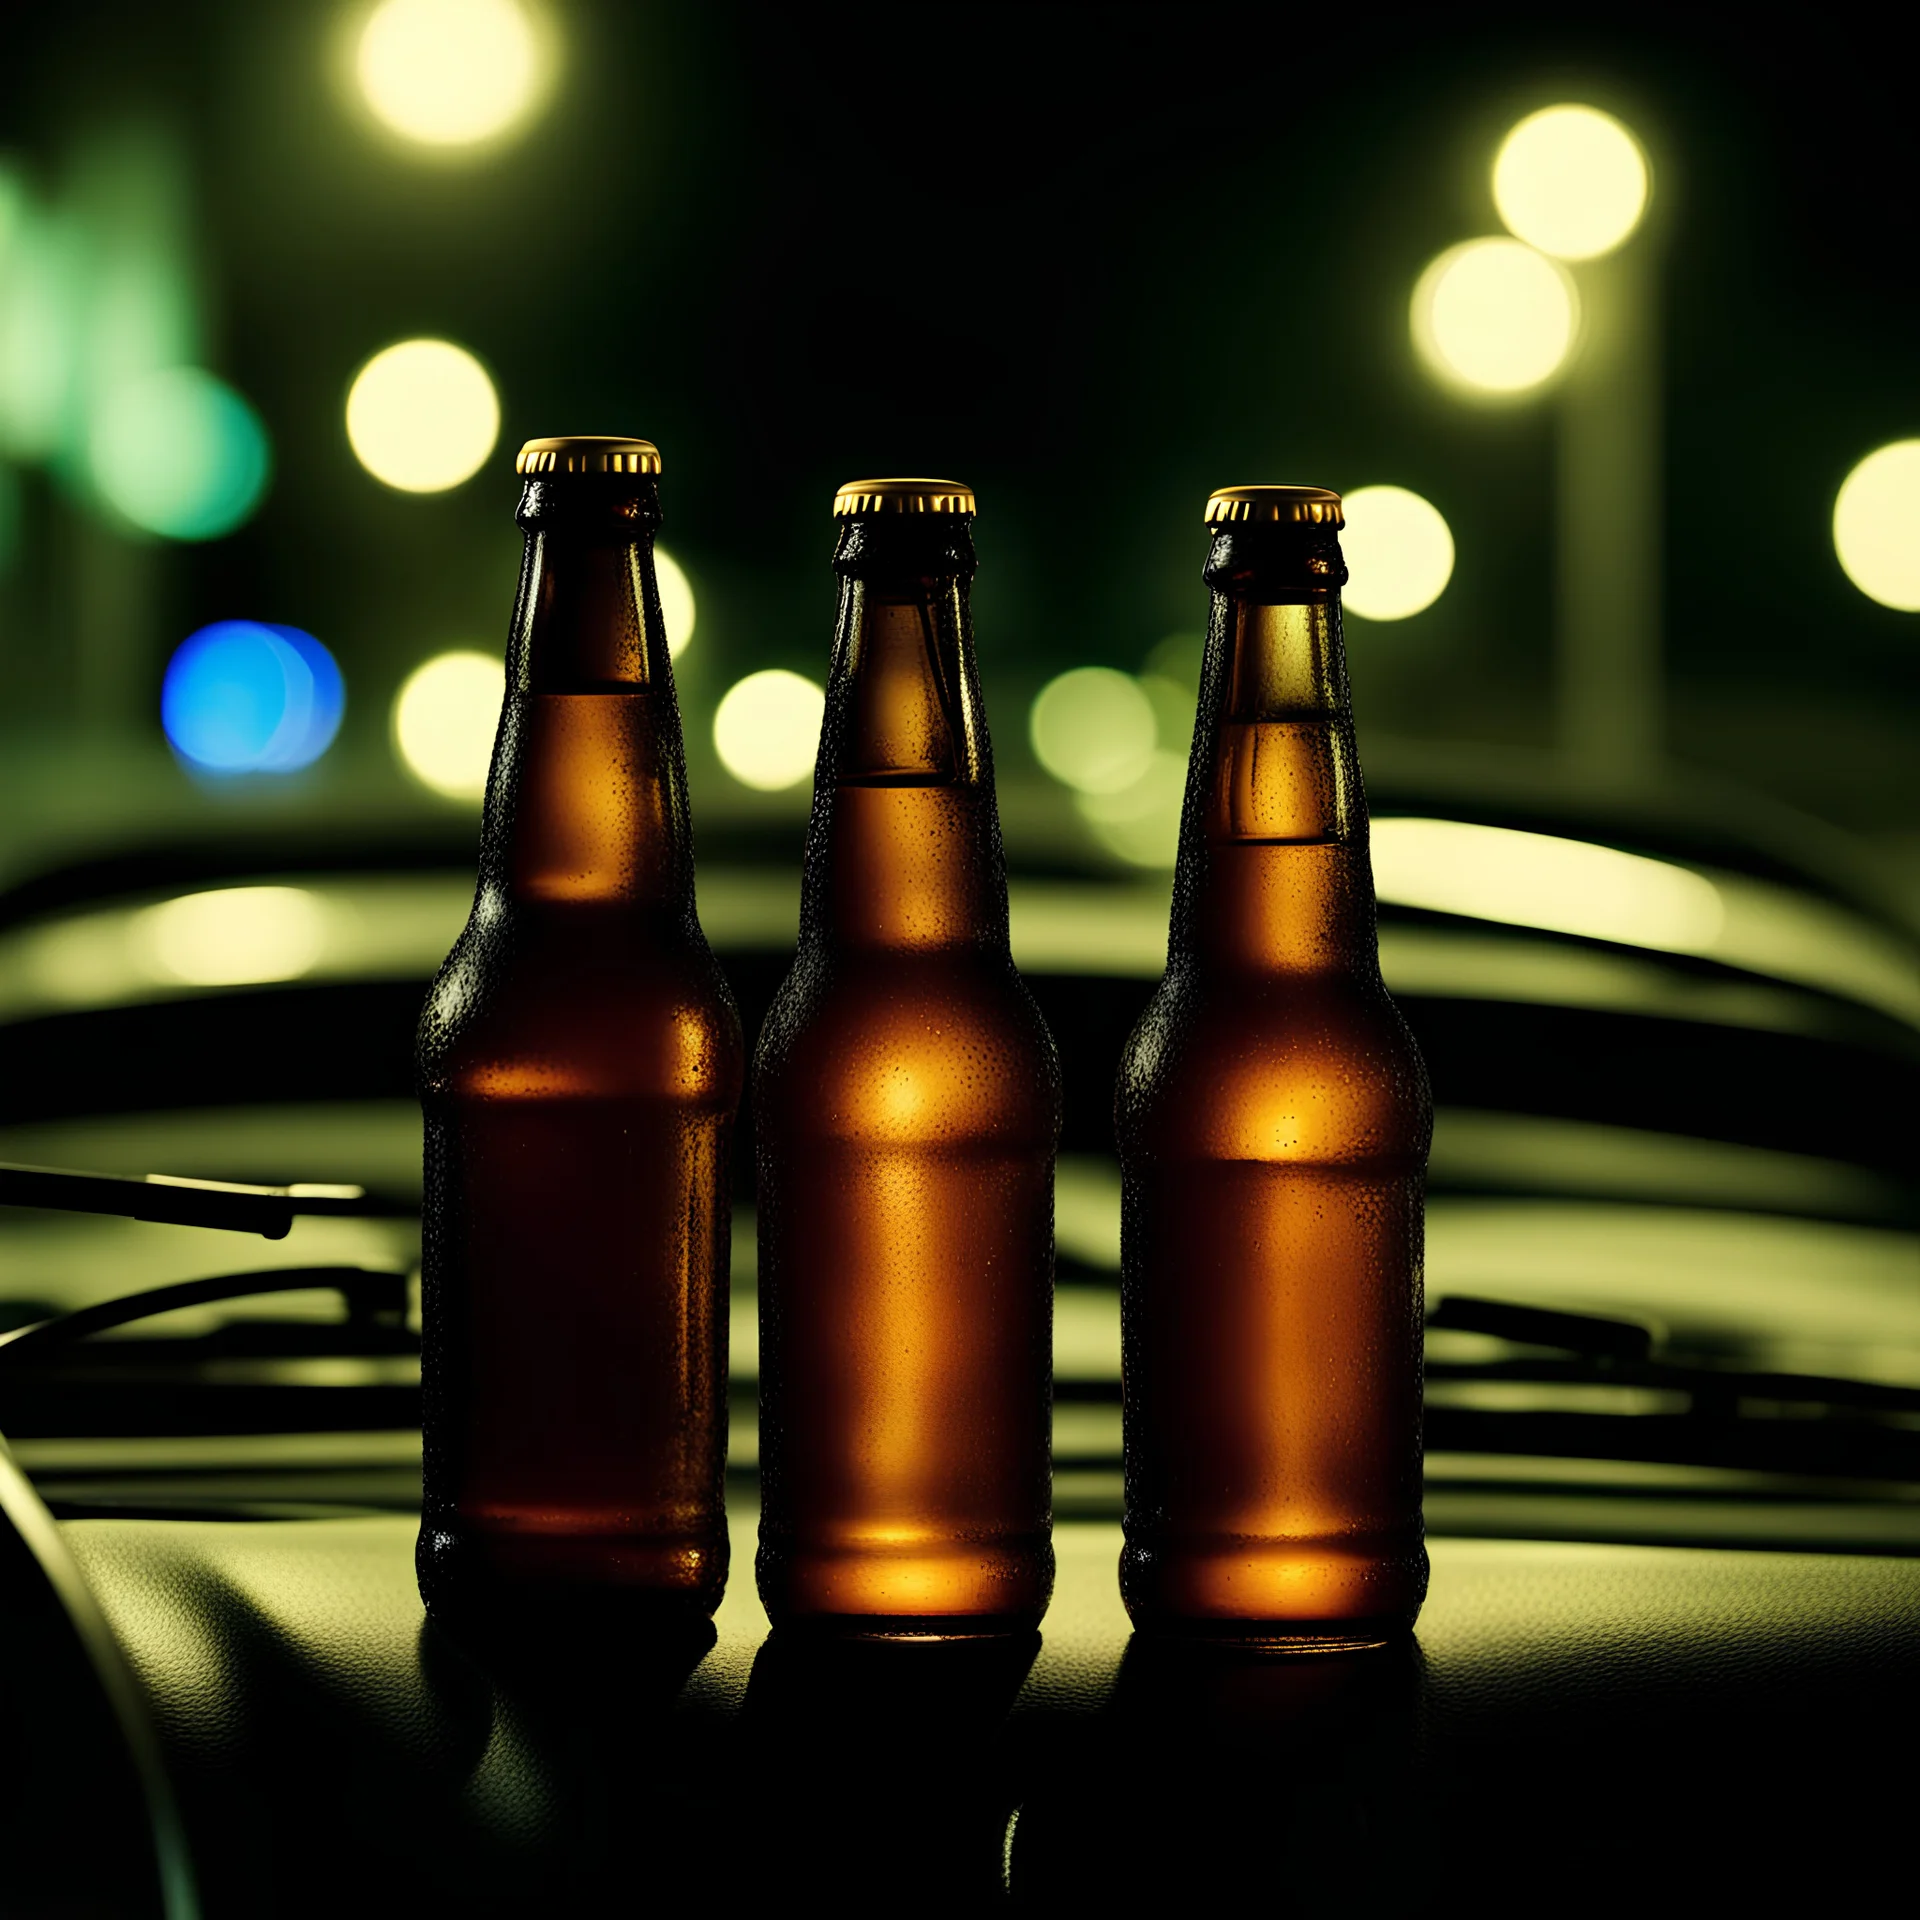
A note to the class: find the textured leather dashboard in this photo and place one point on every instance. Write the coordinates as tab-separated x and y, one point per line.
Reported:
1577	1718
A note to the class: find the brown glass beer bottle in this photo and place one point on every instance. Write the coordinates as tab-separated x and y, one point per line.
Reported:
1273	1121
580	1064
907	1111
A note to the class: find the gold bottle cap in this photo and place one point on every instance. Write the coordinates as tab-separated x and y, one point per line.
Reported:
1309	506
902	496
588	453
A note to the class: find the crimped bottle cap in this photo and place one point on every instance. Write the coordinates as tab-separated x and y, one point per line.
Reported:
902	496
588	453
1308	506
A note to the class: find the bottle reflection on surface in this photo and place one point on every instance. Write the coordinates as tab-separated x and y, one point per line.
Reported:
1273	1121
893	1792
907	1107
580	1065
563	1763
1219	1775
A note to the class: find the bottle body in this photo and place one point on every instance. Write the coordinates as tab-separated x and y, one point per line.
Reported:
580	1066
907	1107
1273	1119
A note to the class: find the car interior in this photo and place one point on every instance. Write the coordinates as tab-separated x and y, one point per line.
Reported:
1588	330
1671	1478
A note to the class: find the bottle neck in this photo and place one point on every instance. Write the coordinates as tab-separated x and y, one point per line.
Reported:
1273	874
587	801
903	849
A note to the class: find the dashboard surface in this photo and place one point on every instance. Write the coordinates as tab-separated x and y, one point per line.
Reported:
1570	1715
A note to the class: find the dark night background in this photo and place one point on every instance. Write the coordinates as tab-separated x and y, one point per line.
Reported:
1095	259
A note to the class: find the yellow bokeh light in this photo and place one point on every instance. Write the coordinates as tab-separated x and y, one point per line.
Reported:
449	73
1399	553
422	416
1494	316
1542	880
444	720
1141	822
676	600
767	729
1876	526
1093	729
1571	181
233	936
1174	703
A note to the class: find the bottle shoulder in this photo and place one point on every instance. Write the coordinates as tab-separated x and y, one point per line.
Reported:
1321	1068
601	1009
949	1042
1227	1005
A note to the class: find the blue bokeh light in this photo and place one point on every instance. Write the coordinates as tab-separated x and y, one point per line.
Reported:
248	696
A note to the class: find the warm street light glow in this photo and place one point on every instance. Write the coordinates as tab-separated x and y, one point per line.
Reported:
423	416
676	601
1876	526
767	729
1542	880
444	721
1571	181
449	73
1399	553
1093	729
232	936
1141	821
1494	316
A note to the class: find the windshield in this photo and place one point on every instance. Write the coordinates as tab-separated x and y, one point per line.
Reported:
1643	836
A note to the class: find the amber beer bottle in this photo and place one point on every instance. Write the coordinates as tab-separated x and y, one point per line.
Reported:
580	1064
1273	1120
907	1111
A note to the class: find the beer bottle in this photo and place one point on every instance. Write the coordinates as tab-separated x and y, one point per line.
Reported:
1273	1121
580	1064
907	1111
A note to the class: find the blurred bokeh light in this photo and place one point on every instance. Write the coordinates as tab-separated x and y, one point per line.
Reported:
1570	181
1173	702
233	936
1093	729
1876	525
247	696
676	600
179	453
766	729
1494	316
1140	823
1399	553
422	416
36	349
1541	880
444	719
449	73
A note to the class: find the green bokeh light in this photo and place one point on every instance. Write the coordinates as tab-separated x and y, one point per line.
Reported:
179	453
1093	729
36	349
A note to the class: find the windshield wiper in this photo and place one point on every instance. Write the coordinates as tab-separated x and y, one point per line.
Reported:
1704	1415
1621	1351
374	1298
163	1197
359	1374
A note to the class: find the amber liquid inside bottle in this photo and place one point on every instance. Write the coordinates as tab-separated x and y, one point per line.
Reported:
907	1101
1274	1120
580	1062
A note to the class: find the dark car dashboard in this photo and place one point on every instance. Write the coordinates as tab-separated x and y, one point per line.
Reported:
1673	1479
